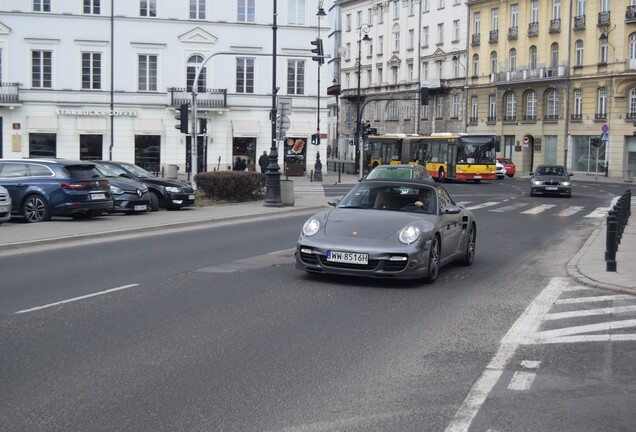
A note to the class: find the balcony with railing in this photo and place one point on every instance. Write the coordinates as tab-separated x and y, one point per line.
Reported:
555	26
513	33
206	98
576	117
491	119
473	120
600	116
579	22
494	36
630	116
530	118
533	29
551	118
630	14
9	93
510	119
604	18
476	39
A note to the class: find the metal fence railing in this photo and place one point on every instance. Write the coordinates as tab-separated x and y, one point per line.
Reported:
616	221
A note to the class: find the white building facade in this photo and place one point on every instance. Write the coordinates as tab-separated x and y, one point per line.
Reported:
104	79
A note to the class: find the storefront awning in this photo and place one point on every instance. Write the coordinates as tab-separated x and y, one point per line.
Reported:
91	125
242	128
299	129
42	124
148	126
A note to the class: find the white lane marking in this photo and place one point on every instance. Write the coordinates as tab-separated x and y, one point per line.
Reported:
600	212
77	298
510	207
531	364
526	325
482	205
539	209
590	312
522	380
595	299
570	211
560	335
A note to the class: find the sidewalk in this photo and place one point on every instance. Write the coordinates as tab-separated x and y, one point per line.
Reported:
586	267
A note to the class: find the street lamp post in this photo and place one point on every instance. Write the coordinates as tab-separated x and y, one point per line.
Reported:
318	173
364	29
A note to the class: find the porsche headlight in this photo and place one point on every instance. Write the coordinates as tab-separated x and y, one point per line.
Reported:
311	227
409	234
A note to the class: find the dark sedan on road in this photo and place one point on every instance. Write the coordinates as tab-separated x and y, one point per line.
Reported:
41	188
164	193
550	180
388	229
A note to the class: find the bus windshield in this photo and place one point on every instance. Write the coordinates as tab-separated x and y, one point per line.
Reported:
476	150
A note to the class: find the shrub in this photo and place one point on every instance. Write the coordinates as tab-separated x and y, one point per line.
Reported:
234	186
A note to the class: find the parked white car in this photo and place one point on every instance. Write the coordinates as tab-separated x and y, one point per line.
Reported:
5	205
500	170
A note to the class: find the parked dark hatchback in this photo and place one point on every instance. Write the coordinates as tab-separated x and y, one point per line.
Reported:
164	193
129	196
41	188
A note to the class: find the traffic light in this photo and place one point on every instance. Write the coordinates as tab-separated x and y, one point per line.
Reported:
203	126
595	142
424	95
314	139
319	57
182	116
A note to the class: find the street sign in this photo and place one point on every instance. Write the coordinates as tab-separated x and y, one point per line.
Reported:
605	129
282	123
604	137
284	105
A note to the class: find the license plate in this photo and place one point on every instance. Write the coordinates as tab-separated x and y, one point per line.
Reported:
141	207
348	257
551	188
477	177
98	196
191	196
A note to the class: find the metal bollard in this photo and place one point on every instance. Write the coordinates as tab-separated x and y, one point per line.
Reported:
610	242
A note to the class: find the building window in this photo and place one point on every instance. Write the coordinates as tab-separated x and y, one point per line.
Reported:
440	69
492	108
456	29
295	77
147	72
392	111
396	10
426	6
494	19
477	23
514	15
440	34
380	45
409	72
556	9
493	62
632	50
394	71
554	55
91	7
602	102
411	39
455	107
578	103
632	104
475	64
396	41
244	75
511	106
533	57
441	4
41	69
380	75
425	71
439	107
474	109
553	105
534	11
296	12
580	8
603	50
41	5
246	11
513	59
191	70
197	9
455	67
425	36
531	105
348	22
147	8
91	71
359	19
380	15
578	53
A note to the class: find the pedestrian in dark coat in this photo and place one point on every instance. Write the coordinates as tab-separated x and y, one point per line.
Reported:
239	165
263	161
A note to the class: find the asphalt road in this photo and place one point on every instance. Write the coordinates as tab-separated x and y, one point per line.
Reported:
214	329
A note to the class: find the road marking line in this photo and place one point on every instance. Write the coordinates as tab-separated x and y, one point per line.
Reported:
77	298
525	326
522	380
509	207
570	211
560	334
539	209
595	299
600	212
486	204
590	312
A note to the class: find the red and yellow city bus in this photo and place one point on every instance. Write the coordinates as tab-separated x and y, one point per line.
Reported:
446	156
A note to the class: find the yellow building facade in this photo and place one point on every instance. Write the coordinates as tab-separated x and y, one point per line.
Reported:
556	81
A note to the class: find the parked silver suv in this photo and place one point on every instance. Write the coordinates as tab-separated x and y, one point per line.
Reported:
5	205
